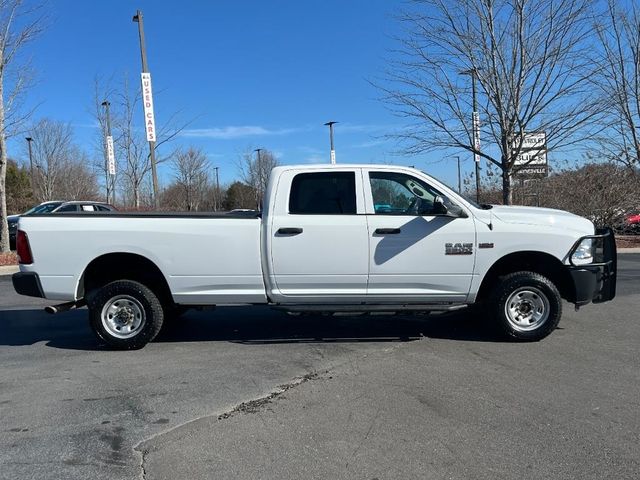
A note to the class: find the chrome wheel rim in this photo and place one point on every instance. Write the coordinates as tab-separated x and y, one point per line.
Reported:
526	309
123	316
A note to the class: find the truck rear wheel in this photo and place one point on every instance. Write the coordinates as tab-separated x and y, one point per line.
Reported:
526	306
125	314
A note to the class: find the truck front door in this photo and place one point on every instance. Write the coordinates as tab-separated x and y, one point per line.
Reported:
416	253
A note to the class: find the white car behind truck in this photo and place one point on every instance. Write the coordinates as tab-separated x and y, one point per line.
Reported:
331	238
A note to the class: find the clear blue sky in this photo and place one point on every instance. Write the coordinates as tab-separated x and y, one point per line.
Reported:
252	73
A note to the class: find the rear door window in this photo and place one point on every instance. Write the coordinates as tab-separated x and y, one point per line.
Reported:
323	193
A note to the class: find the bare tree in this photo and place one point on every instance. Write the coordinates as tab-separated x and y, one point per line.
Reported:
528	57
255	168
617	77
14	79
79	179
63	170
191	174
52	150
131	144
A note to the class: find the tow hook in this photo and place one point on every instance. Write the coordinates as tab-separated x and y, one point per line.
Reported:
65	307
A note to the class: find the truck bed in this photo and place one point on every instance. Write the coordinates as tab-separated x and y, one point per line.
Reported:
206	258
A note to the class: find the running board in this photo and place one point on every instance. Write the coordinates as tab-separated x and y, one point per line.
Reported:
391	308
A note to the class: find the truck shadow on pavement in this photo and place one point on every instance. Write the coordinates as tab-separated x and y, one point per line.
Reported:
247	325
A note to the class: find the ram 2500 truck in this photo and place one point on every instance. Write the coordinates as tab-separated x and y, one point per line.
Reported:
331	238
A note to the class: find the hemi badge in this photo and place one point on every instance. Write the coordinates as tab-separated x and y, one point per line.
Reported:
485	245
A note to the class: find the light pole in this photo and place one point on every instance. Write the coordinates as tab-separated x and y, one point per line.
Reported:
145	69
217	189
333	151
109	177
475	122
33	183
258	150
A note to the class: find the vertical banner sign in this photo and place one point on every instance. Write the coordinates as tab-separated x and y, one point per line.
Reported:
333	157
147	101
476	135
111	158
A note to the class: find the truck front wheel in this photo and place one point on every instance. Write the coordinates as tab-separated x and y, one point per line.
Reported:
125	314
526	305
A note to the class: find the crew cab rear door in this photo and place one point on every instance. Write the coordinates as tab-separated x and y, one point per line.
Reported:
318	236
415	253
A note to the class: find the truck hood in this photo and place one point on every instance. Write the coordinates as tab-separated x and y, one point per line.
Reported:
547	217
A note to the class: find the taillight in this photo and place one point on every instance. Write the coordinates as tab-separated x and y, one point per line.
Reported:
22	248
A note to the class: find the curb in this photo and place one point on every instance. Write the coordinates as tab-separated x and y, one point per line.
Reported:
629	250
9	270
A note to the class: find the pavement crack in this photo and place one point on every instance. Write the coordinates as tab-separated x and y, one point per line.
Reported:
142	452
143	448
254	406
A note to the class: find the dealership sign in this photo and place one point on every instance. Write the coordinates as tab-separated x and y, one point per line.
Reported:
147	101
531	159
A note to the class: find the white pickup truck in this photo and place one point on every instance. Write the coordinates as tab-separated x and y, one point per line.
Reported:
331	238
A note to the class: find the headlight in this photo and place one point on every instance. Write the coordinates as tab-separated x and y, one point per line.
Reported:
584	253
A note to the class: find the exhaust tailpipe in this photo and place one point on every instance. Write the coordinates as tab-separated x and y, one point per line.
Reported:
65	307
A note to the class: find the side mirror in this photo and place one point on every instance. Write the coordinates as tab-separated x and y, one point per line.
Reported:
439	208
443	206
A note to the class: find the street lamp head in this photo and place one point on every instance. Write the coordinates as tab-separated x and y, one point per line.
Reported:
135	18
105	103
328	124
258	150
28	139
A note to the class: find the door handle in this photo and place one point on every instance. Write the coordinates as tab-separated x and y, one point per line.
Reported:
289	231
387	231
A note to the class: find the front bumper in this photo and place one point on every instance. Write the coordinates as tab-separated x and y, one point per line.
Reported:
596	282
27	283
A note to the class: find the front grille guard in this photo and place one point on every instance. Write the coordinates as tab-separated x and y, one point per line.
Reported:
605	259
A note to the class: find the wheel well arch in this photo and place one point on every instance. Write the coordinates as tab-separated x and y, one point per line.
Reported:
530	261
124	266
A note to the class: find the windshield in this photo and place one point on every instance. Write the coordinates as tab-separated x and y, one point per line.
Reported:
44	208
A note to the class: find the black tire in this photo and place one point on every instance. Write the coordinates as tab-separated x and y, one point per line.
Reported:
125	304
526	306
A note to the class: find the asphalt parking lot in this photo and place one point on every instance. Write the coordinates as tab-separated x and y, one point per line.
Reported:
251	393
